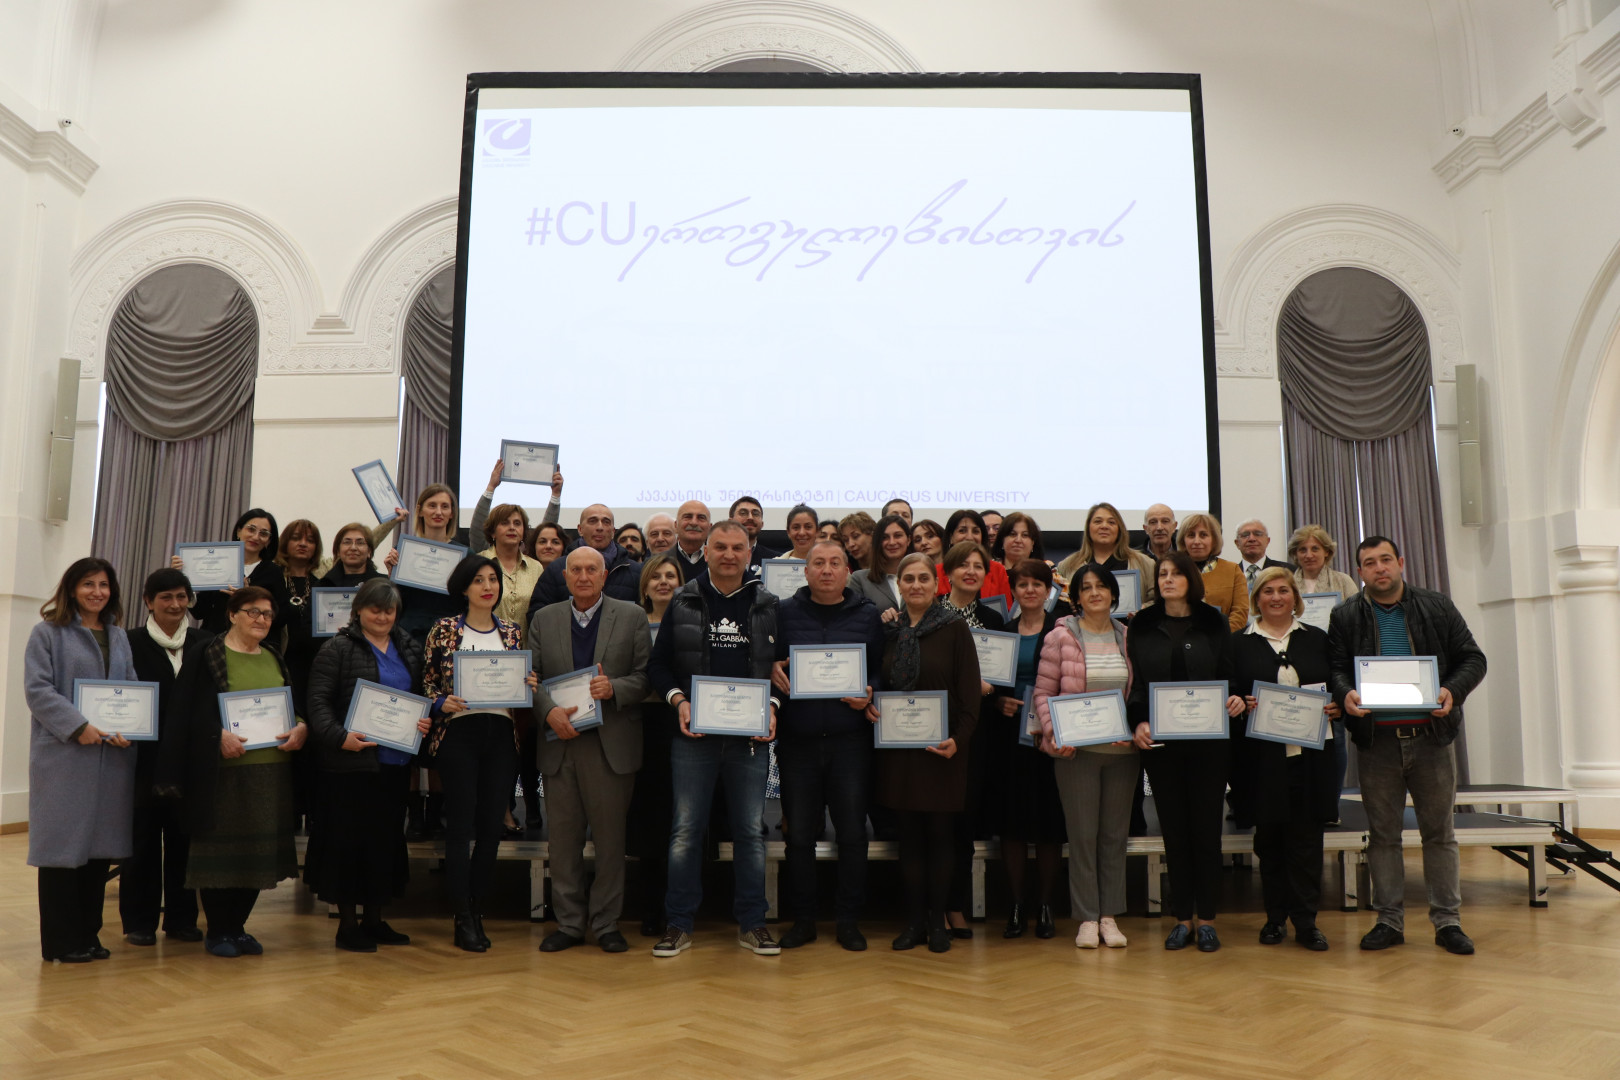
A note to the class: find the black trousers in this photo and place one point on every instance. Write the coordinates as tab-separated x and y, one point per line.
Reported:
153	882
70	903
228	910
652	810
478	765
1189	789
1290	855
529	736
926	861
822	775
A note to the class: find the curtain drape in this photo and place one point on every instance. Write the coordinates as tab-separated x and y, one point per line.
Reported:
177	440
424	431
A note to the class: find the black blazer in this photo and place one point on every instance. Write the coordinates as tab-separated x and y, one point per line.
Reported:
1261	770
210	606
152	665
1148	647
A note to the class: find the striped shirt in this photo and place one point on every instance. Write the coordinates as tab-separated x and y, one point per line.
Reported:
1395	640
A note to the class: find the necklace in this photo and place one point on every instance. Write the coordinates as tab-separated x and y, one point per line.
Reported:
299	594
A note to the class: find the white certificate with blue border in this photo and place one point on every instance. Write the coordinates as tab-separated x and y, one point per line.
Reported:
329	610
782	577
731	706
386	716
426	564
492	680
528	462
1130	591
1029	723
1089	719
116	707
258	716
1289	714
1187	710
1398	682
1319	608
997	604
998	656
910	721
827	671
212	566
573	691
379	489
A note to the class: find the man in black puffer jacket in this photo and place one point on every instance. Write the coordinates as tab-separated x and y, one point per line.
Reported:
1403	751
824	745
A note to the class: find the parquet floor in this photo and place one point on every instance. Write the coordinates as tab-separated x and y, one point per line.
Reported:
1542	999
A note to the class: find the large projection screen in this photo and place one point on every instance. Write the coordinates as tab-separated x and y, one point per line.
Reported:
984	291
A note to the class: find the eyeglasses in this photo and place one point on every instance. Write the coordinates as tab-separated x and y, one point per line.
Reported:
257	614
254	530
354	541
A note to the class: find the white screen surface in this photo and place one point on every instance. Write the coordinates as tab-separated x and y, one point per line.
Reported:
965	298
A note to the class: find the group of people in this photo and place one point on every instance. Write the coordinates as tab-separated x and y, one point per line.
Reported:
195	818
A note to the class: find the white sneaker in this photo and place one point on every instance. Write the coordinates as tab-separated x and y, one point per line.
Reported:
1087	937
1110	933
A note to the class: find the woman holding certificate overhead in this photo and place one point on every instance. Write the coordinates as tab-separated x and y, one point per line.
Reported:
233	767
81	776
927	648
434	520
1288	789
356	856
1180	639
475	746
1086	654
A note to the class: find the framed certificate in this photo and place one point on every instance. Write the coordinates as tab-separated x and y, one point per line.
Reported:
1289	714
425	564
1130	591
329	610
379	489
1028	723
493	680
528	462
1187	710
827	671
652	629
129	709
1319	608
910	721
997	604
998	656
573	691
212	566
386	716
731	706
1409	683
782	577
1089	719
258	716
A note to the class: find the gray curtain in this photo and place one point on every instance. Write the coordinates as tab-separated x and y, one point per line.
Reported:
177	441
424	426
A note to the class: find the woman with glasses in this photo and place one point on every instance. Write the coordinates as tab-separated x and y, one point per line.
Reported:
256	529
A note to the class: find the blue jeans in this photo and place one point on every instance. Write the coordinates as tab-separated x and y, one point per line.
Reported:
695	766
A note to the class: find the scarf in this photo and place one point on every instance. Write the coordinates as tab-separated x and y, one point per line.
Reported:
907	660
172	645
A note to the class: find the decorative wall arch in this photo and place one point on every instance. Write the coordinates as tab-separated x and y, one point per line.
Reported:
1277	258
814	33
1583	463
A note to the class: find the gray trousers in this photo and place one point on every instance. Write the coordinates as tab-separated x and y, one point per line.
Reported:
586	791
1096	790
1390	769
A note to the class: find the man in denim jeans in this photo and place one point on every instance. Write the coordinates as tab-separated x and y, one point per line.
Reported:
1403	751
720	625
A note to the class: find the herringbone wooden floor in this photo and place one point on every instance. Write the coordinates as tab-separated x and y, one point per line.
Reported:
1542	999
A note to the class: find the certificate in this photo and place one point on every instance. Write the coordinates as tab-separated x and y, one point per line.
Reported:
329	610
731	706
1319	608
258	716
528	462
782	577
1187	710
573	691
910	721
998	656
1398	682
997	604
426	564
1289	714
379	489
1130	591
492	680
1029	724
827	671
1089	719
129	709
211	566
652	630
386	716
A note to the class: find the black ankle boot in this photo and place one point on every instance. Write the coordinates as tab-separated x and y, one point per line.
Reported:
478	928
413	819
939	934
1016	921
1045	926
467	937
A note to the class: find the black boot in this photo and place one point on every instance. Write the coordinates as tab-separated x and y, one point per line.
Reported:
433	815
1017	921
414	830
939	934
913	936
467	937
1045	925
478	928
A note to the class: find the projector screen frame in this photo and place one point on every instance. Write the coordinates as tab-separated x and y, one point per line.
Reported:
1190	83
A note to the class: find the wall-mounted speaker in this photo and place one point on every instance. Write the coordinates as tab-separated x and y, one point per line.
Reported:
1470	477
59	478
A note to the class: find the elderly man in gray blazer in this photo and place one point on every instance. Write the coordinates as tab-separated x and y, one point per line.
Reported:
590	771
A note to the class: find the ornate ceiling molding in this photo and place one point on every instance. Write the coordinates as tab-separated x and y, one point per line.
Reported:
816	34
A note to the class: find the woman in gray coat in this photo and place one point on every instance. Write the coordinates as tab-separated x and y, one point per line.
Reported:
81	781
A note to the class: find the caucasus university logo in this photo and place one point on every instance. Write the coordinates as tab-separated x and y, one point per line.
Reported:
506	140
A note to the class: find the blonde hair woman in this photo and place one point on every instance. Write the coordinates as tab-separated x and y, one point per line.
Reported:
1225	586
1311	549
1107	544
